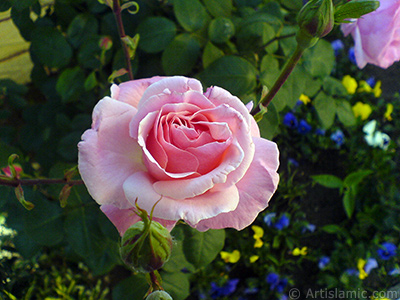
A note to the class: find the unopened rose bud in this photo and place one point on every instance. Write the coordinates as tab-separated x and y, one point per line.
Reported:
316	20
159	295
146	246
105	43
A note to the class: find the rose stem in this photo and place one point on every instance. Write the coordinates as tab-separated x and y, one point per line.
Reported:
117	13
294	59
17	182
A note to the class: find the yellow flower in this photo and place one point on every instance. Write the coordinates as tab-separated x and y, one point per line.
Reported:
303	98
254	258
298	251
258	234
350	84
360	266
377	89
230	257
362	110
364	87
388	113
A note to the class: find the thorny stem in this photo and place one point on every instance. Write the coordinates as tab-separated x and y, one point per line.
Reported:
16	182
281	79
117	13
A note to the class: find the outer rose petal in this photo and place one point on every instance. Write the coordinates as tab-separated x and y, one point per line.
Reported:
255	189
107	154
140	186
131	91
125	218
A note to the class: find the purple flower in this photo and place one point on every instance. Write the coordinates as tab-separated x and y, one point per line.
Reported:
220	291
282	222
338	137
304	127
323	262
290	120
337	45
352	56
387	251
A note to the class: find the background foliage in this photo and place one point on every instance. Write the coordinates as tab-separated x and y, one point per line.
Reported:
241	45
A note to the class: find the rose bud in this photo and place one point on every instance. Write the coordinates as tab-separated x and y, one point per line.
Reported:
315	20
146	246
159	295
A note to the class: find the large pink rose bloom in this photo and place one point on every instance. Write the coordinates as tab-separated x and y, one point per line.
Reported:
163	138
377	35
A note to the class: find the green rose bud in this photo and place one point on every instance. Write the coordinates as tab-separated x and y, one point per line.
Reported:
159	295
146	246
316	20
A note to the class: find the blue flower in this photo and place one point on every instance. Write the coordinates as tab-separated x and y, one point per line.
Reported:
250	291
290	120
338	137
308	227
276	283
352	272
395	271
323	262
337	45
387	251
320	131
352	56
282	222
268	219
304	127
371	81
370	264
293	162
220	291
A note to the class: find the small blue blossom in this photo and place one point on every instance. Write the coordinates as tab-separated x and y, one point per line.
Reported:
323	262
395	271
320	131
290	120
284	297
371	81
387	251
276	283
352	56
268	219
250	291
293	162
282	222
304	127
370	264
338	137
337	45
220	291
352	272
309	228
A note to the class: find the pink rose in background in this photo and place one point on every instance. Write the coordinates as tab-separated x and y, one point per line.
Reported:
377	35
163	138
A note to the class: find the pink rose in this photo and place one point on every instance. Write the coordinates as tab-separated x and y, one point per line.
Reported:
163	138
377	35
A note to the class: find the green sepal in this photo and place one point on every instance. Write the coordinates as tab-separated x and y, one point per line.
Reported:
354	10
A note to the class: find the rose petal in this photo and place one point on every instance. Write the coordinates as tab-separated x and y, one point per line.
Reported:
140	186
125	218
255	189
107	154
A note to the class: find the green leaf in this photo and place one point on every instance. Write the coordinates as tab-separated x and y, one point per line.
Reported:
44	224
201	248
332	228
219	8
326	109
334	87
329	181
81	27
349	201
70	84
90	81
131	288
22	4
181	55
50	47
356	177
320	59
233	73
221	30
345	113
191	15
210	54
354	10
155	34
176	284
269	123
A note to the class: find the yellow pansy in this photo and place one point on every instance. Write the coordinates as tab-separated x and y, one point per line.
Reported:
377	89
350	84
388	113
364	87
230	257
258	234
303	98
254	258
360	266
298	251
362	110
